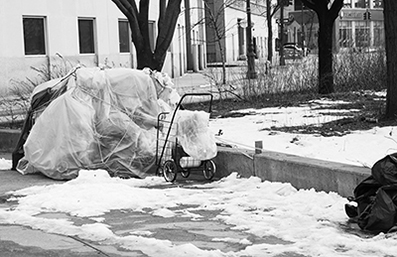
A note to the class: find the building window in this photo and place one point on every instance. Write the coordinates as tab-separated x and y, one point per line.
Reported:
151	34
362	34
345	34
347	3
377	4
124	36
379	34
361	3
86	36
34	35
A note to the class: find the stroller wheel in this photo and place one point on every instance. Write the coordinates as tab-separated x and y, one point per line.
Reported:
185	173
209	169
169	171
159	171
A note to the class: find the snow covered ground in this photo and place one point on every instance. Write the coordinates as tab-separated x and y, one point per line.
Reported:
361	148
309	223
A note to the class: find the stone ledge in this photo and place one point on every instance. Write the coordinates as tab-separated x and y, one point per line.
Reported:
301	172
8	139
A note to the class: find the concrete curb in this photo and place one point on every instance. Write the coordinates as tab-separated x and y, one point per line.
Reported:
301	172
8	139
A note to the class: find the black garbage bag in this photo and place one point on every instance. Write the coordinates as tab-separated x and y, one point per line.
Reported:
376	198
380	214
385	170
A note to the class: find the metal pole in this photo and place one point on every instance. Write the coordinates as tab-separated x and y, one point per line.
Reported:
251	74
188	32
303	35
367	30
282	60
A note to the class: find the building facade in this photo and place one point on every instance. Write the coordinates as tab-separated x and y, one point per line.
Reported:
360	25
90	32
226	23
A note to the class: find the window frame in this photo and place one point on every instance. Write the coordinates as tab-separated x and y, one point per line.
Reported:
361	31
128	36
346	39
374	4
152	34
94	35
44	37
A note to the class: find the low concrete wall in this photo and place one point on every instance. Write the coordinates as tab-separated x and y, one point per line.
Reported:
301	172
8	139
231	160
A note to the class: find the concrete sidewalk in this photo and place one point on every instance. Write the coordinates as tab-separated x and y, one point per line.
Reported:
17	241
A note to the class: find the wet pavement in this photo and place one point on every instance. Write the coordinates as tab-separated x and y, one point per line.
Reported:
205	232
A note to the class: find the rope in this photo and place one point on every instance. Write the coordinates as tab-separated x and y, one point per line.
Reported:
90	246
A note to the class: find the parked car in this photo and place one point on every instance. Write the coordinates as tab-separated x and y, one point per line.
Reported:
292	51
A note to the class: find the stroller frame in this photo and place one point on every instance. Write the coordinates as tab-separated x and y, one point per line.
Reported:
170	154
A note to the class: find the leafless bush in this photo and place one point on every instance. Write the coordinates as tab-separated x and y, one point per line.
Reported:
15	103
362	70
353	71
296	76
230	89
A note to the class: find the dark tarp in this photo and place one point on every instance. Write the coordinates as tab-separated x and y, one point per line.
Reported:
376	198
39	101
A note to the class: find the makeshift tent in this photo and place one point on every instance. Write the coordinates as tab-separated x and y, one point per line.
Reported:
95	119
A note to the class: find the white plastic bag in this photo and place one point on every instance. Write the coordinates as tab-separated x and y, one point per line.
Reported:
194	135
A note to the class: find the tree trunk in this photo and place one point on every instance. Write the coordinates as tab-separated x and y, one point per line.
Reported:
327	14
139	23
223	61
326	77
145	59
390	17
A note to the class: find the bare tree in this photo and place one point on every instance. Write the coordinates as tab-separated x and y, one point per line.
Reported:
216	30
271	9
139	23
327	12
390	17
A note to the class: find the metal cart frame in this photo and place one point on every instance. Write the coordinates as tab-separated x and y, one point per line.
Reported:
170	154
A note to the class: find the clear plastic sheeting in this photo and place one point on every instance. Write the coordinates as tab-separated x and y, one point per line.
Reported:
58	149
194	135
105	120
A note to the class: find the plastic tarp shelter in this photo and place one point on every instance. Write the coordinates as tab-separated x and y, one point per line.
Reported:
97	119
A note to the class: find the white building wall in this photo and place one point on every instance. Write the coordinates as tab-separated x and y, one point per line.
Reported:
231	28
62	35
175	62
197	34
259	31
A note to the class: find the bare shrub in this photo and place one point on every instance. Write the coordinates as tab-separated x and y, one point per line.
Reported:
297	76
216	77
353	71
16	101
360	70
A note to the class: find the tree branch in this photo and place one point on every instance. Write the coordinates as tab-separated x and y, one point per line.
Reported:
162	8
165	36
335	8
310	4
143	20
129	9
